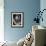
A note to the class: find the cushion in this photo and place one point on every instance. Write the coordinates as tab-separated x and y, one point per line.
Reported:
20	42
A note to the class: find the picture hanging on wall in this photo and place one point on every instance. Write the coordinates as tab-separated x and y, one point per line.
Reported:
17	19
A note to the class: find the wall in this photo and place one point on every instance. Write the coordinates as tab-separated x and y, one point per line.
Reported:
1	20
29	7
43	6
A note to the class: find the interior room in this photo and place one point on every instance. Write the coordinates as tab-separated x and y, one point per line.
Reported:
22	22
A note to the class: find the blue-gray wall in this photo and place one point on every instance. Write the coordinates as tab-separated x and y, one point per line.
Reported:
43	6
29	7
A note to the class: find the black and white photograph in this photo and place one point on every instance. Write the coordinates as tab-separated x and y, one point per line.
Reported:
17	19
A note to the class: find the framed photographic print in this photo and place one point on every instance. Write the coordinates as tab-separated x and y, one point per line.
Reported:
17	19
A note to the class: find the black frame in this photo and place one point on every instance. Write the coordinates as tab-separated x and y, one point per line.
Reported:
22	19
